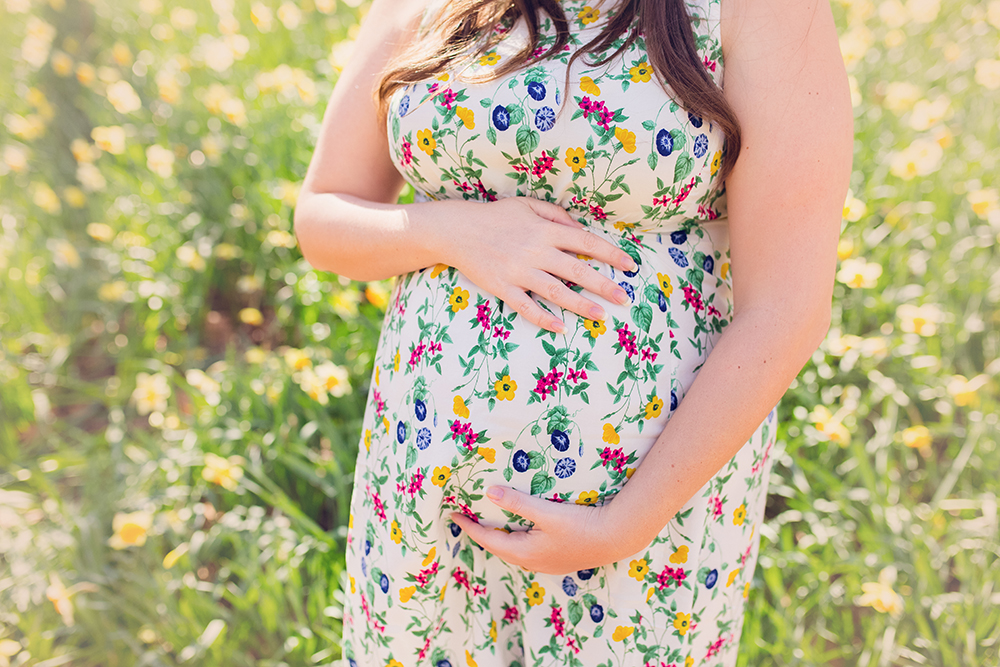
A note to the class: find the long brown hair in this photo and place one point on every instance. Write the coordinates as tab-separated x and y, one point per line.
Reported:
665	25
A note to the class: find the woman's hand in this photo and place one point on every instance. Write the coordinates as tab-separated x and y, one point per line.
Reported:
520	244
565	537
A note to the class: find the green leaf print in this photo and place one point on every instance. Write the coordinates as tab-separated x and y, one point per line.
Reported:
516	113
527	139
685	163
679	139
651	160
541	483
575	611
648	125
485	103
652	293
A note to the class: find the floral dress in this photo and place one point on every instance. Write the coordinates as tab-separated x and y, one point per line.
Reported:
466	393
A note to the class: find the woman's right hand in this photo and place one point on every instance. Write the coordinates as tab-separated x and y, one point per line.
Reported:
517	245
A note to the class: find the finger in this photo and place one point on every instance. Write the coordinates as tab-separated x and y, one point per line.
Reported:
584	275
557	292
588	243
491	539
553	212
531	311
534	509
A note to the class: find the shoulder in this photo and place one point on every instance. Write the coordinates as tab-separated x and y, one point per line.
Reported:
751	29
398	15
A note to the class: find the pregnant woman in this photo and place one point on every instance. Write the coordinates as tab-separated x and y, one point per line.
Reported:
613	268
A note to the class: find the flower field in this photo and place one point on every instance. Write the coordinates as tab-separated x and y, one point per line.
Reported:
181	394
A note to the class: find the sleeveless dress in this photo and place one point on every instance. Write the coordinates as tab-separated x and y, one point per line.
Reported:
466	393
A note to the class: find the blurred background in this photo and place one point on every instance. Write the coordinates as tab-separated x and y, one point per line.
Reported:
181	395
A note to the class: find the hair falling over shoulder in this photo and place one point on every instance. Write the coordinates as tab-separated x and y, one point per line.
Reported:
463	30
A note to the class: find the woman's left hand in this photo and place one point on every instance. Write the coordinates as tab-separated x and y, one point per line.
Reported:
565	537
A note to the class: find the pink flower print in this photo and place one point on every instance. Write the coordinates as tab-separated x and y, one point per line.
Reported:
685	191
671	575
662	201
574	375
555	498
425	574
548	383
578	201
713	311
709	64
616	457
379	402
483	315
558	624
461	578
407	158
489	196
626	339
379	507
433	87
715	502
707	212
463	186
598	212
462	432
510	614
542	164
416	353
500	332
647	353
447	98
693	298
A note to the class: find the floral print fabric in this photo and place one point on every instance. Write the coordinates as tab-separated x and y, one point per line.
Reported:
466	393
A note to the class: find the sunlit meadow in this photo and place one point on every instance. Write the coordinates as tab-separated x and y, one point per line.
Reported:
181	394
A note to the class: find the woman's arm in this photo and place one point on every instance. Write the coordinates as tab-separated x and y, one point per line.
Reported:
786	80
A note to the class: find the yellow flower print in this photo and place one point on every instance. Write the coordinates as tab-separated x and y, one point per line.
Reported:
385	423
459	407
575	159
679	556
665	285
689	662
622	631
394	663
429	558
368	439
467	116
490	59
468	659
377	369
610	435
438	268
628	473
739	514
493	630
459	299
585	258
649	593
625	226
638	569
441	475
443	77
640	73
352	584
535	594
653	407
588	86
595	327
587	498
716	162
588	14
682	622
732	577
505	388
746	590
350	520
426	141
395	362
406	593
627	138
487	453
443	589
395	533
724	270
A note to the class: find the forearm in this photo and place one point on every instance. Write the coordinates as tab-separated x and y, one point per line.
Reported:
743	378
367	240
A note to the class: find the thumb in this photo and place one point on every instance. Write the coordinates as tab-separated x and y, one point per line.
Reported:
553	212
523	504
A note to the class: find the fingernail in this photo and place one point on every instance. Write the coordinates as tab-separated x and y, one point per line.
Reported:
621	296
559	327
597	313
495	492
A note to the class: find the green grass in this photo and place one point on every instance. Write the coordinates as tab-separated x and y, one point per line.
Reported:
196	269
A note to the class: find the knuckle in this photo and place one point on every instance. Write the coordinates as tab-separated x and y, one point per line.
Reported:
590	241
579	271
553	290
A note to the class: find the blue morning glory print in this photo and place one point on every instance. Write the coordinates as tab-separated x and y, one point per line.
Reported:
400	432
545	118
420	408
628	289
708	264
455	529
585	574
368	547
695	120
662	305
404	105
521	460
678	237
352	662
536	90
679	258
559	440
383	583
712	577
664	143
700	145
673	400
596	613
565	467
631	274
501	117
443	663
364	566
569	586
423	438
